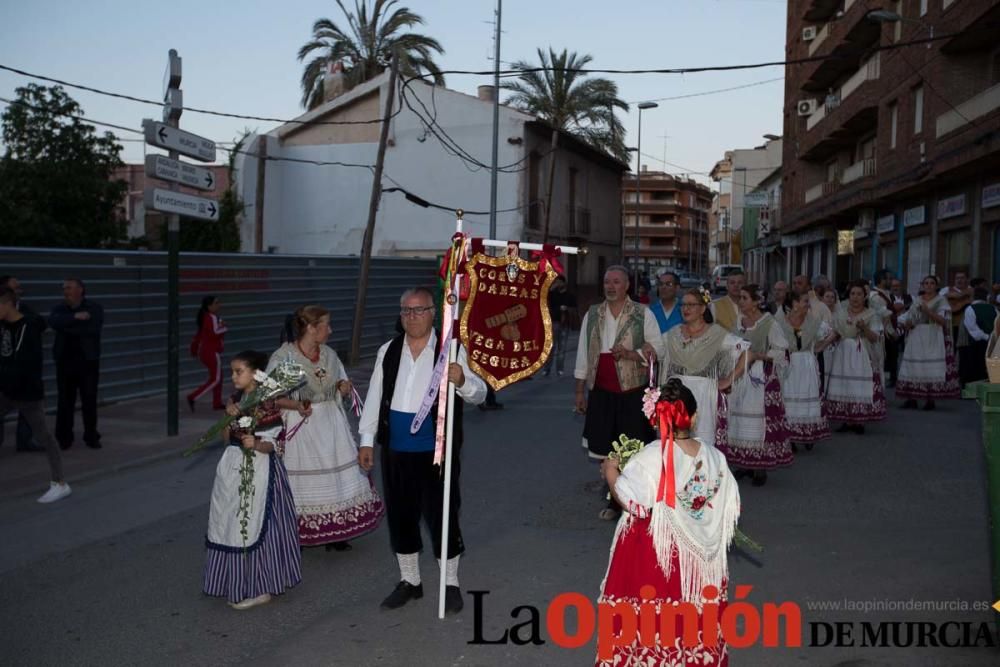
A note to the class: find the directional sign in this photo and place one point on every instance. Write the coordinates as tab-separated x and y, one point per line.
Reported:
160	166
185	143
156	199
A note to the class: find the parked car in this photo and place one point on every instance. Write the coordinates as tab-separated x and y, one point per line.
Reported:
719	275
689	280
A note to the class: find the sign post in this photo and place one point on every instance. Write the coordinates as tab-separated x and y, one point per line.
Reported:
169	136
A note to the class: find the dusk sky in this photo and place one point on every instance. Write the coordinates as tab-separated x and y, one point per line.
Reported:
241	58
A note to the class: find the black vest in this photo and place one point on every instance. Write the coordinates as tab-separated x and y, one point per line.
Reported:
390	368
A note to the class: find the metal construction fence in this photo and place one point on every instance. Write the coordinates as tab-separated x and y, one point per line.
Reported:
256	292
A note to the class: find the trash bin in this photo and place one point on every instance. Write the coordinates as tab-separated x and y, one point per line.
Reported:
989	401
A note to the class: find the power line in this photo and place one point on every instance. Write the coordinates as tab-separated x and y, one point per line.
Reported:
69	115
713	92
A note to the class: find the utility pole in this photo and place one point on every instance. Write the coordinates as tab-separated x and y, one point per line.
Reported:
366	244
496	126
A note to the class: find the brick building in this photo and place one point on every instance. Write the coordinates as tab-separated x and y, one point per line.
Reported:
673	222
892	153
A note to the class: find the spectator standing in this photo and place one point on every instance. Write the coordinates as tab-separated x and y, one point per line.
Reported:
561	304
77	352
207	346
25	440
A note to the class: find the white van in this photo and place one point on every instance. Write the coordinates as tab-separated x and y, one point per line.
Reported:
719	275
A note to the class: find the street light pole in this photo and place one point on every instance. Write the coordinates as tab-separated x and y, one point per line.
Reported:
638	171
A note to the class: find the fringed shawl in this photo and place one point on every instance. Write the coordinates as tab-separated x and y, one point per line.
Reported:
808	332
704	356
844	325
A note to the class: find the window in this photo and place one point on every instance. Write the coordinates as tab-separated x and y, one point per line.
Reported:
918	110
832	172
923	7
918	262
865	149
959	246
897	27
893	123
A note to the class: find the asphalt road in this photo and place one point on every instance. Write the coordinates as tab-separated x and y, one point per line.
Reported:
112	576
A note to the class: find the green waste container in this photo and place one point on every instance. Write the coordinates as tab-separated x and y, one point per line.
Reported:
988	396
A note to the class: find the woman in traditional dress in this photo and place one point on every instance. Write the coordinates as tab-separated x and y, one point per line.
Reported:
335	500
829	298
757	438
807	336
854	393
704	356
928	368
247	565
672	538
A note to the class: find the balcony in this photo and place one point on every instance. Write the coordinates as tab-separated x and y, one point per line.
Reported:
968	111
869	71
851	35
821	190
652	205
820	37
858	170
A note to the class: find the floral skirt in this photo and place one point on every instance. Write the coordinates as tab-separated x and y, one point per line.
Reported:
634	565
334	498
757	433
928	369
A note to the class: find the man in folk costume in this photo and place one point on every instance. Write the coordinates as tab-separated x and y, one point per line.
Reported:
726	310
413	485
959	297
978	321
619	342
667	308
880	300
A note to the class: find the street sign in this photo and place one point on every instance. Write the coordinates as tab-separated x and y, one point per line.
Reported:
167	201
172	75
173	105
172	139
160	166
755	199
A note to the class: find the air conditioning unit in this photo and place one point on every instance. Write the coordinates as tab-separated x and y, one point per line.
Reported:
809	33
807	107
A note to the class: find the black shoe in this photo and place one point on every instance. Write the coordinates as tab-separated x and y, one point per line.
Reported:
65	445
859	429
452	600
929	405
96	444
844	428
403	593
910	404
759	478
795	448
809	446
339	546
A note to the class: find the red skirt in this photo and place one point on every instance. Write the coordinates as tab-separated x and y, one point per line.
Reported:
634	565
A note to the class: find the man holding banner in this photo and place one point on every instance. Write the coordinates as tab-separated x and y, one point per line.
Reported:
619	342
399	416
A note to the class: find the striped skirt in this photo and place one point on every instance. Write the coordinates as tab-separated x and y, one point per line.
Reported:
270	565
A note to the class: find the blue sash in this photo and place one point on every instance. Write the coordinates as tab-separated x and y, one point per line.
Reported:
400	438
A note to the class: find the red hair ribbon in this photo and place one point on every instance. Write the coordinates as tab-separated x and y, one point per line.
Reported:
547	255
669	415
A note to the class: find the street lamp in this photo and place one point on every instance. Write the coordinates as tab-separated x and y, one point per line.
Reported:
888	16
638	171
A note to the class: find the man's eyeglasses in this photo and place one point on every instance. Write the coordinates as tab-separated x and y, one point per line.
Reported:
415	311
668	284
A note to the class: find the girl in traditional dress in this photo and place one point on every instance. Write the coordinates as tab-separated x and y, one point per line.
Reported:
758	435
928	368
807	336
831	301
854	393
672	537
335	500
248	569
704	356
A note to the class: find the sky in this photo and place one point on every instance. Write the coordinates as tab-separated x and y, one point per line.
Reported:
241	58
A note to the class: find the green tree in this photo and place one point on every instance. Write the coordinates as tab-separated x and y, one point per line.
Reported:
365	49
222	235
556	91
57	185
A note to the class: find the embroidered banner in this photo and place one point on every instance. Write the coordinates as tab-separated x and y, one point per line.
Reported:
506	328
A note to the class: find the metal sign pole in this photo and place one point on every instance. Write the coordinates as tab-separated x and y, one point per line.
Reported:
173	273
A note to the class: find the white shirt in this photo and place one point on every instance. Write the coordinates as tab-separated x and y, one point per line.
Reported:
412	379
650	332
972	324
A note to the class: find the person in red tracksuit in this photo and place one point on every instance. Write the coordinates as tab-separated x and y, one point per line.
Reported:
207	347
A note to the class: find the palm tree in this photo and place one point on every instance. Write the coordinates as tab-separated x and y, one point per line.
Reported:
366	48
557	92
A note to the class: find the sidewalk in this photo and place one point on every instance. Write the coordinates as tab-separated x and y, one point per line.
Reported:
133	433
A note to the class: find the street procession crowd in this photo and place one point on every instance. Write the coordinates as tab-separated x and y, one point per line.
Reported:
711	390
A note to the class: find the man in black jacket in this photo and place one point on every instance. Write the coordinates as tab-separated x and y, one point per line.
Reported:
21	385
77	352
25	442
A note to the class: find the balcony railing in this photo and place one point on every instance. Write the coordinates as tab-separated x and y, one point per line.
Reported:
858	170
869	71
968	111
820	37
814	193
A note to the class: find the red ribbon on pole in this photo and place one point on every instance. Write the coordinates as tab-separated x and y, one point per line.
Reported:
547	255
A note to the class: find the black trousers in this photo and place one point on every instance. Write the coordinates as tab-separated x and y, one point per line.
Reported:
610	415
73	377
891	366
414	489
